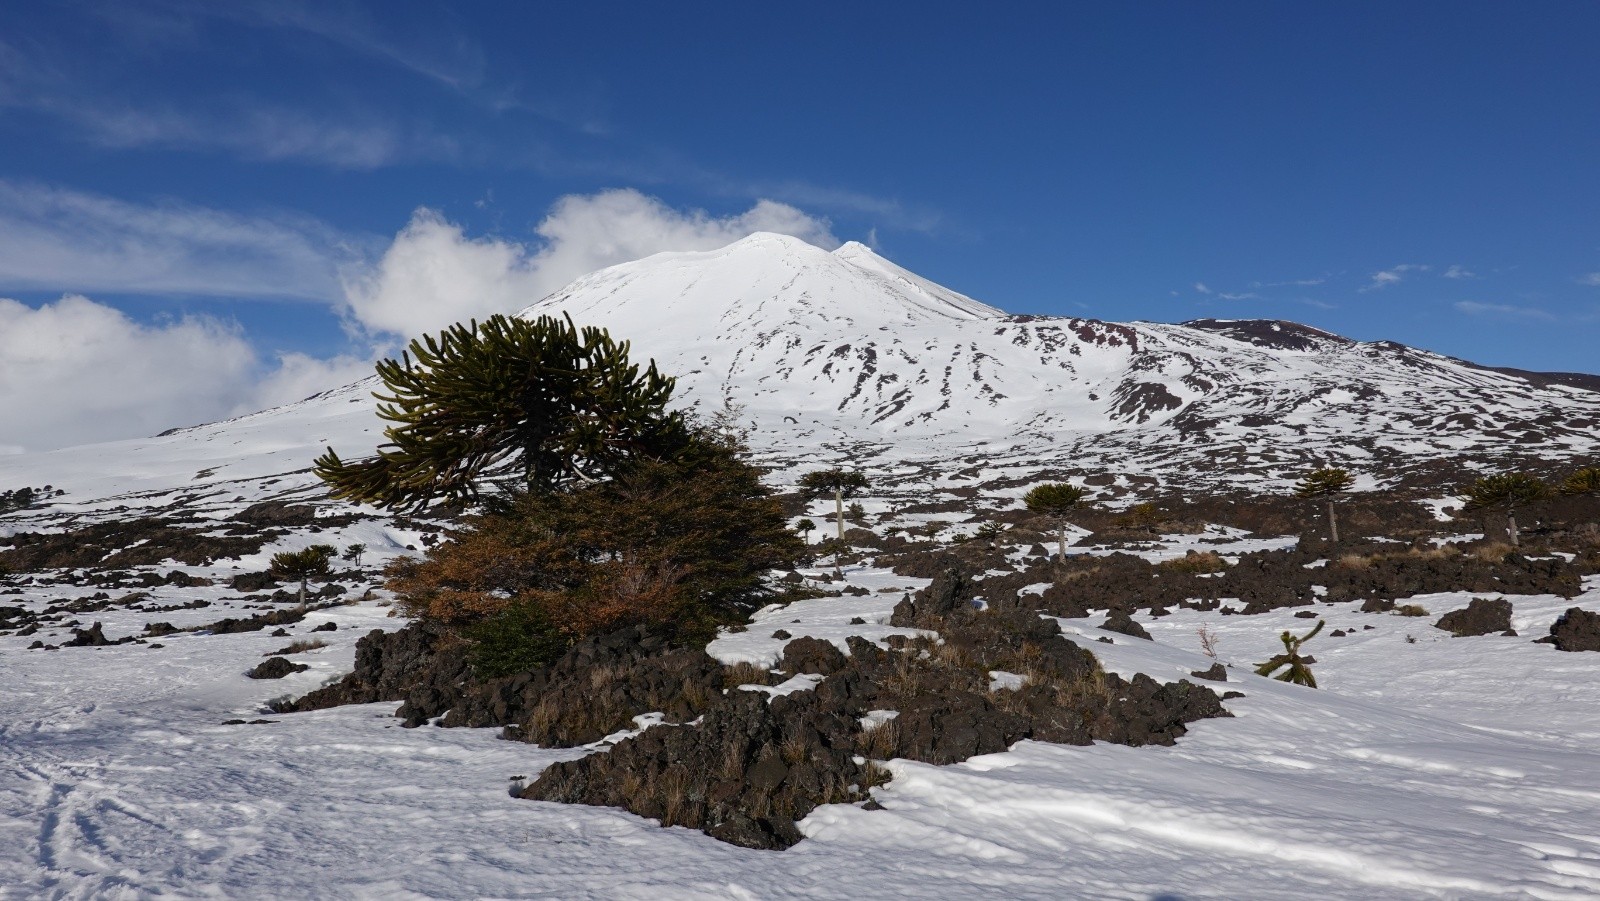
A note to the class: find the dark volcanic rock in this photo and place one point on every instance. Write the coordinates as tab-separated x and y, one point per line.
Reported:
253	623
276	668
277	513
1575	630
1120	621
388	664
744	775
92	637
751	768
1480	617
249	582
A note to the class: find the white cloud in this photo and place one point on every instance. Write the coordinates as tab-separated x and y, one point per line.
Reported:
1393	276
1458	272
76	371
1201	287
1245	296
1293	283
1592	279
434	274
1501	310
62	240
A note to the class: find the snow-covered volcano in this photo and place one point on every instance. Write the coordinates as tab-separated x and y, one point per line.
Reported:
845	354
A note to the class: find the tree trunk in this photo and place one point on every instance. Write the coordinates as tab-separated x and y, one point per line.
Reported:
1511	526
302	592
1333	522
1061	542
838	509
838	551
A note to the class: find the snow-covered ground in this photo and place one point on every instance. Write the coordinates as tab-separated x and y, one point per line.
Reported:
1439	767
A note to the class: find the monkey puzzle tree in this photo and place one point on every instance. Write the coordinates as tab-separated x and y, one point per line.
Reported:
1506	491
539	403
1326	483
1296	669
841	483
301	565
1054	499
1584	482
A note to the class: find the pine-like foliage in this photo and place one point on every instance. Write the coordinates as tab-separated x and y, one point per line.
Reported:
301	565
1323	483
541	403
1296	669
685	541
1585	481
1326	483
842	484
1055	499
1506	491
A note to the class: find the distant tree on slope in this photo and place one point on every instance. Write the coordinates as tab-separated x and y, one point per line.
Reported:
1584	482
303	564
1506	491
1326	483
1055	499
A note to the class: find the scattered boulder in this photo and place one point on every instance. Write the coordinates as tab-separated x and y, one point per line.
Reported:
1480	617
1575	630
1119	621
276	668
92	637
252	582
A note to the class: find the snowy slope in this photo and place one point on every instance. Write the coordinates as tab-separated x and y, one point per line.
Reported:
1439	767
845	354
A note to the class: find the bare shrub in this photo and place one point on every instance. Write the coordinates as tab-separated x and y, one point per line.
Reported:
1209	640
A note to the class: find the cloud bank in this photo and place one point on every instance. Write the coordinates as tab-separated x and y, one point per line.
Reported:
434	274
60	240
76	371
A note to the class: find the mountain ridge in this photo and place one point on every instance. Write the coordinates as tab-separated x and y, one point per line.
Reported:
845	356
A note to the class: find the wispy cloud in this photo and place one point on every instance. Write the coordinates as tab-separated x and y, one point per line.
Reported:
1392	276
1592	279
60	240
1294	283
1502	310
270	135
1243	296
1201	288
1458	272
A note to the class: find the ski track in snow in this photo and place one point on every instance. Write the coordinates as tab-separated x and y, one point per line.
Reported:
1447	767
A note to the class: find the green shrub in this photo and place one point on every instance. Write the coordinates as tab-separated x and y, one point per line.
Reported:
520	637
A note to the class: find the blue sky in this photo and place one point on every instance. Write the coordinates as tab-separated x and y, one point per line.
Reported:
238	173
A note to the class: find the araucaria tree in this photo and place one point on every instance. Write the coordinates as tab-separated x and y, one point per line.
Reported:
303	564
1584	482
1296	669
1327	484
683	543
840	482
1055	499
1506	491
533	404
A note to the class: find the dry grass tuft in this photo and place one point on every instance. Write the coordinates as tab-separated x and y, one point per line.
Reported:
1196	562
